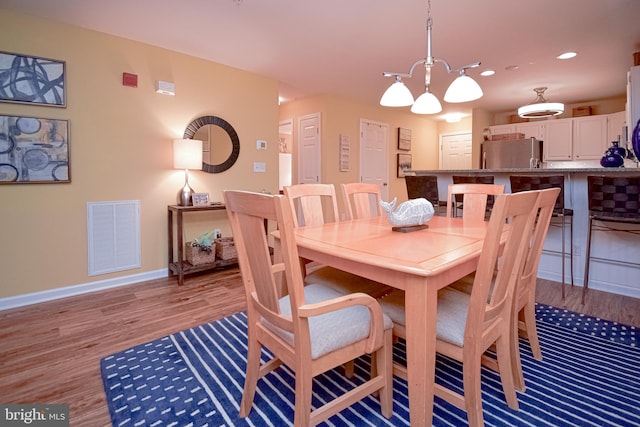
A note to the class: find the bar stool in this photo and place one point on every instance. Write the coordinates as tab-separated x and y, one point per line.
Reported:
426	187
540	182
611	199
473	179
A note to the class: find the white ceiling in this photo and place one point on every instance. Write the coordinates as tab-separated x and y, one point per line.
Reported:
342	47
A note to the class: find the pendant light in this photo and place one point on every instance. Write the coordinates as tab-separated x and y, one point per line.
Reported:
463	88
540	107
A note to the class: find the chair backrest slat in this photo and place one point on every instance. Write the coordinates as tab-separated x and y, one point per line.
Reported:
262	275
511	221
361	200
314	204
474	198
526	287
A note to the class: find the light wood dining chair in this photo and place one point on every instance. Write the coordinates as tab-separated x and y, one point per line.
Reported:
474	199
361	200
469	324
304	329
317	204
525	294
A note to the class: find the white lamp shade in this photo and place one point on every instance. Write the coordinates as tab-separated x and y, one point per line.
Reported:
463	89
187	154
541	109
427	103
397	95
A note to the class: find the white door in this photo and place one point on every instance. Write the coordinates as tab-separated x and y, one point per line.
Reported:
374	157
455	151
309	149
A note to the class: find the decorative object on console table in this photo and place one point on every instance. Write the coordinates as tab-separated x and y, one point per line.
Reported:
197	254
200	199
226	248
187	154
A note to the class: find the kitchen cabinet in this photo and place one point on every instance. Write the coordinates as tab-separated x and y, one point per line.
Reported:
531	129
557	137
589	137
577	138
615	123
502	129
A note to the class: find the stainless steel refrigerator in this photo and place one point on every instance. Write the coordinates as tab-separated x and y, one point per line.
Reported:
512	154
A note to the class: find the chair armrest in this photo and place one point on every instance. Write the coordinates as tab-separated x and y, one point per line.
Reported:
376	330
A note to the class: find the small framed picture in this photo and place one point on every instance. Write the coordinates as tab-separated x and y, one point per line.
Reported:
200	199
404	139
404	164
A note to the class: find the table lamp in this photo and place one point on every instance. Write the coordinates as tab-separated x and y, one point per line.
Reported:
187	154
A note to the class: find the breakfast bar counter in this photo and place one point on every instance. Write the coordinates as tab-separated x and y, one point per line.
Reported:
615	256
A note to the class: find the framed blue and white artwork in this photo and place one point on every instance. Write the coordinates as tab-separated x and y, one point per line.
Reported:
32	80
34	150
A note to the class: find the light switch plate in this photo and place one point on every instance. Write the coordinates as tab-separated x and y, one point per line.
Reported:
261	144
259	167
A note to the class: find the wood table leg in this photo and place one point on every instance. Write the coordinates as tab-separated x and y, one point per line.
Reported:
421	305
180	251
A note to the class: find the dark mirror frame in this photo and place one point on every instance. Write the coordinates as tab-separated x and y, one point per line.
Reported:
193	127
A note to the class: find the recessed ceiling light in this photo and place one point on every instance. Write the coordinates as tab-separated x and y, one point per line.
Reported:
567	55
487	73
511	67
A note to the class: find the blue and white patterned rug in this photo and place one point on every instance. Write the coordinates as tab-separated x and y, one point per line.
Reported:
590	376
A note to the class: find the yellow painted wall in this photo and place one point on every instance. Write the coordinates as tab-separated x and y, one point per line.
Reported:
121	148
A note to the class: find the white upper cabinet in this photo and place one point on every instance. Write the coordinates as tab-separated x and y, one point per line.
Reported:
558	135
577	138
615	122
531	129
502	129
589	137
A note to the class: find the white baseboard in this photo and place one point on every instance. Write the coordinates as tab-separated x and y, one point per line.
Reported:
68	291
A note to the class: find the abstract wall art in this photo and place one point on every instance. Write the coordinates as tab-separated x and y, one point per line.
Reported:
32	80
34	150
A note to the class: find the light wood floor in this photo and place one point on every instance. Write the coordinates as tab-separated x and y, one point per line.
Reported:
50	352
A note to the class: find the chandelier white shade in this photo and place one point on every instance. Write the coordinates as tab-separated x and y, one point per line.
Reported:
427	103
463	88
540	107
397	95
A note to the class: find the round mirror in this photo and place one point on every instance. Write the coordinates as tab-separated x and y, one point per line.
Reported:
220	143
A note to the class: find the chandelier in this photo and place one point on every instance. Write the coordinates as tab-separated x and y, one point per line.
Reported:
462	89
540	107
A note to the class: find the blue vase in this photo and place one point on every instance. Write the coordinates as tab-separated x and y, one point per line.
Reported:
611	160
635	140
616	149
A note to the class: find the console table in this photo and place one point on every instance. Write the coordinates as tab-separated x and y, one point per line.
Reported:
178	265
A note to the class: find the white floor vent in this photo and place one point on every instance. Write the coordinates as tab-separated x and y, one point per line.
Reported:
114	236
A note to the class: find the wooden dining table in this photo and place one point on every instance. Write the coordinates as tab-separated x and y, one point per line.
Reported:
418	262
